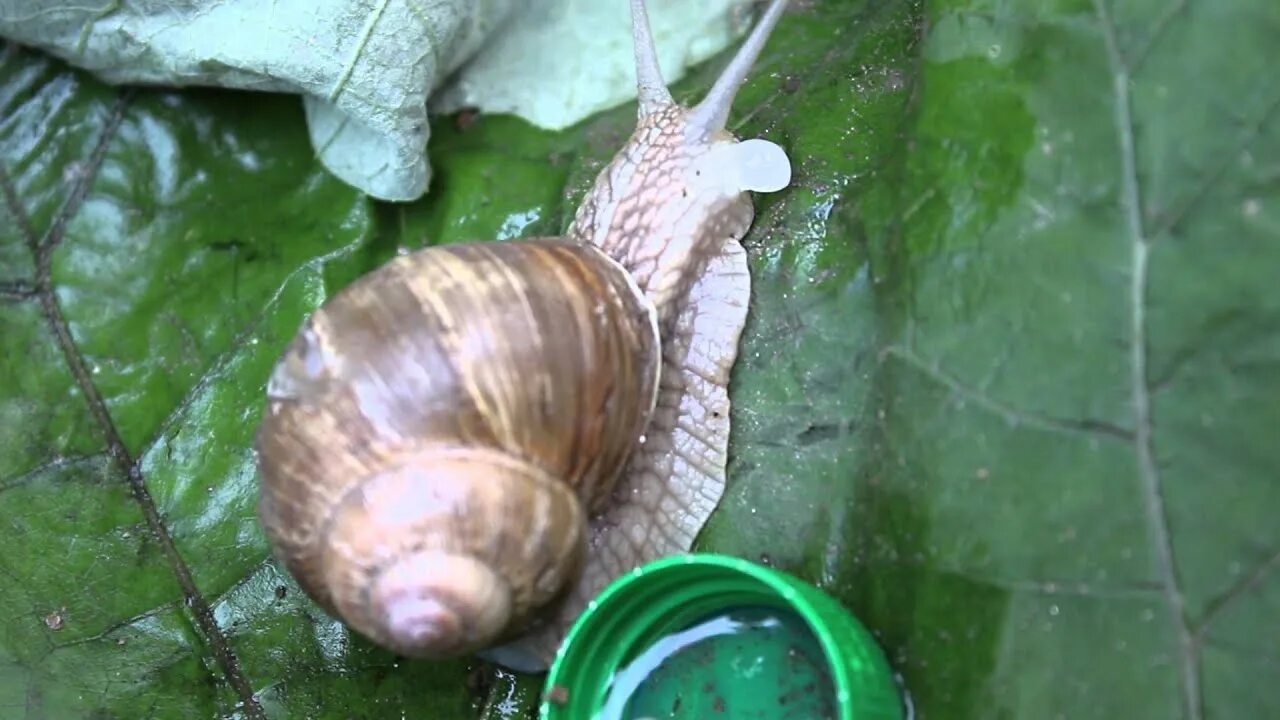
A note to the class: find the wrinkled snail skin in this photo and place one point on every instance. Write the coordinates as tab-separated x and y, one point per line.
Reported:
465	445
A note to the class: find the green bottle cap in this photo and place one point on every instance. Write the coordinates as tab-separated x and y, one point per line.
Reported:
654	606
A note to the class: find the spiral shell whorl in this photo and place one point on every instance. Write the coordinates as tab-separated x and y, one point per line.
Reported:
432	557
416	616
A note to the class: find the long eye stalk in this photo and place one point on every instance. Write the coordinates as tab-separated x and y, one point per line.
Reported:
653	90
712	113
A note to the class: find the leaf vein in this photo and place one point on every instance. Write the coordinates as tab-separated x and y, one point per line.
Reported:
223	360
48	466
58	228
17	291
1063	588
1245	585
1171	11
1144	442
115	627
365	33
16	209
1170	219
1010	414
116	449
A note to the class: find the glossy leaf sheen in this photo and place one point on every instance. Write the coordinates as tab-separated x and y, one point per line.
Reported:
1007	389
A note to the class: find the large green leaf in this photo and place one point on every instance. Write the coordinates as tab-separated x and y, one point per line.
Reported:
1010	386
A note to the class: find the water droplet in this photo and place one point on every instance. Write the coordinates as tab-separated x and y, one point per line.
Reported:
1053	610
993	52
1148	615
73	171
54	620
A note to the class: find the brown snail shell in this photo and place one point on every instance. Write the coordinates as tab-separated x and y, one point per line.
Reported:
465	445
437	458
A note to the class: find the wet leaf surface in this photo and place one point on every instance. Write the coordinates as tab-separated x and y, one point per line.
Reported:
1007	390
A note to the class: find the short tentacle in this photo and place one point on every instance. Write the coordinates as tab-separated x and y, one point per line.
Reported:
710	115
653	92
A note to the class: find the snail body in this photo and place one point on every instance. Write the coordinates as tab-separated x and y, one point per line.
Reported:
465	445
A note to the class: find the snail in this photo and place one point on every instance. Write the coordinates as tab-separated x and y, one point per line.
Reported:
465	445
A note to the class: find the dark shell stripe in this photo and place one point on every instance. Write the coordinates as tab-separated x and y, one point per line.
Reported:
677	477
